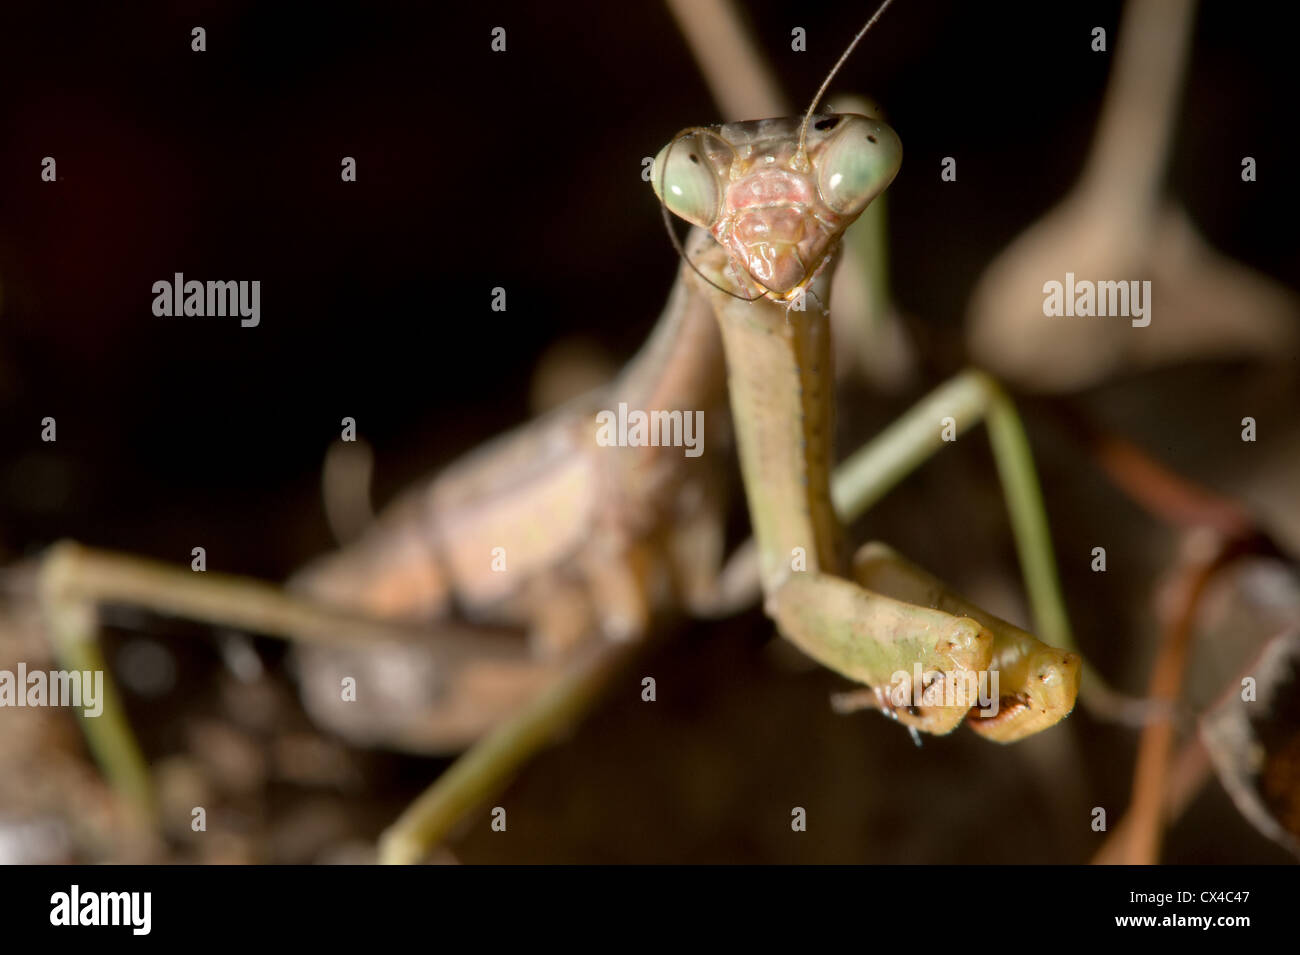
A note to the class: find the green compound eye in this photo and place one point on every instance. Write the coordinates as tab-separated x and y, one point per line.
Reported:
685	178
858	163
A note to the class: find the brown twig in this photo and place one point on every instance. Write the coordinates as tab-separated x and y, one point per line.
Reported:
741	82
1219	530
1188	772
1165	494
1146	811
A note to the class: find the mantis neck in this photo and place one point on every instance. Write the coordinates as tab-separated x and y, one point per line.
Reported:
781	381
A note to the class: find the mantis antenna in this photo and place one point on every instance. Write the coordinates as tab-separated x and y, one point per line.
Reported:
803	129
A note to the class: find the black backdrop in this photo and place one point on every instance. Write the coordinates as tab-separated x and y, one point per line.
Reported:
475	170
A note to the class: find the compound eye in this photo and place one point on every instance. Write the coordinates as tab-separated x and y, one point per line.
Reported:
858	162
685	176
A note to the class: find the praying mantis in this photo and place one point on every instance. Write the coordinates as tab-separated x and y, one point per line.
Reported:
597	541
776	196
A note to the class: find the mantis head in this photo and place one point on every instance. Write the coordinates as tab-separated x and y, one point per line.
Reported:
778	193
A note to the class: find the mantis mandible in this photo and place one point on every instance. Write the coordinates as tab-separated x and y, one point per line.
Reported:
601	539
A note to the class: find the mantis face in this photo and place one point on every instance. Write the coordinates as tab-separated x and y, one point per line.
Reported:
776	206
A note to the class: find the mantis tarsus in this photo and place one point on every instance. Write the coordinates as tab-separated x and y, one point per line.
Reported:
599	537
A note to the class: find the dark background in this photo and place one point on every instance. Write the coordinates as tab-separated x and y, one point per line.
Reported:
521	170
475	170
